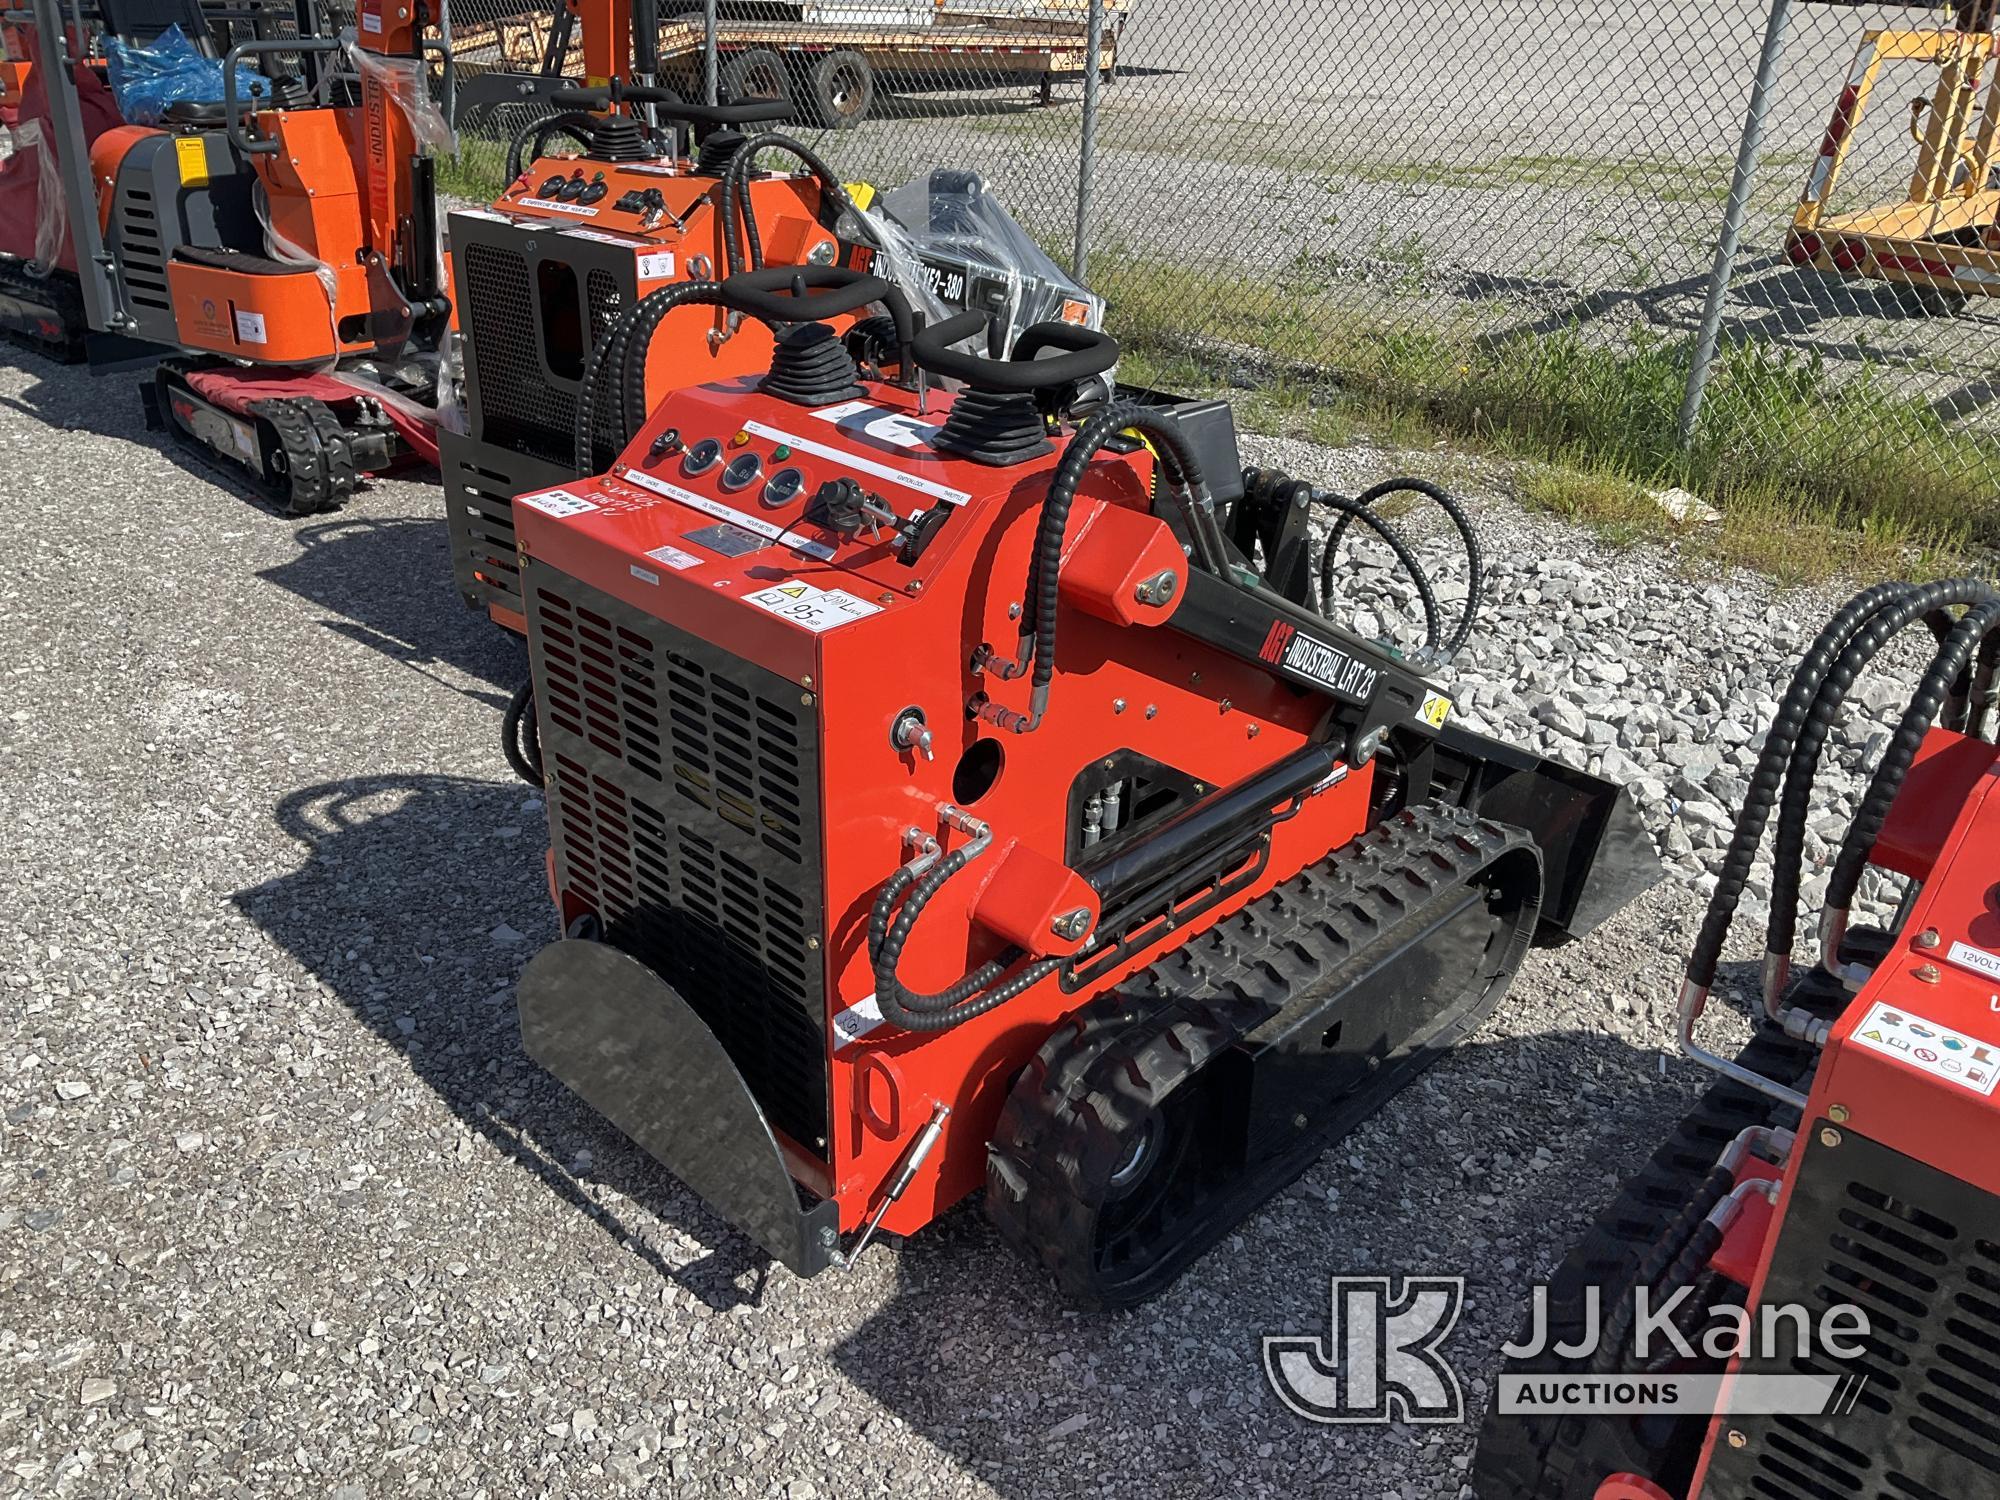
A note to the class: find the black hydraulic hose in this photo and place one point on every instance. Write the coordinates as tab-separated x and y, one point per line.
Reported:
735	189
1353	510
1183	472
1975	630
610	365
521	738
1656	1261
1788	854
1769	775
576	124
1475	558
632	374
973	995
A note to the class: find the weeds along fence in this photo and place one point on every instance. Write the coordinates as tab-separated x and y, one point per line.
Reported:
1504	216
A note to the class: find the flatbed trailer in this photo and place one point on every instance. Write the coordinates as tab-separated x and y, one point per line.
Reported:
828	59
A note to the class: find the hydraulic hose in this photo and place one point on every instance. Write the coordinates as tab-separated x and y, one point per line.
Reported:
1766	780
1976	630
1475	558
1182	470
575	124
612	361
1354	510
1788	854
736	186
974	994
521	738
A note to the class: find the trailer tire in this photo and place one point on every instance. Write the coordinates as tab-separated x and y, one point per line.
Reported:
837	90
758	73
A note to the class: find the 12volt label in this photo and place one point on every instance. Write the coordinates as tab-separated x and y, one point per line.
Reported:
1976	959
1965	1061
1289	647
558	503
810	608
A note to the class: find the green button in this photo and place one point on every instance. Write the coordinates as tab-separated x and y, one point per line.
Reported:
781	453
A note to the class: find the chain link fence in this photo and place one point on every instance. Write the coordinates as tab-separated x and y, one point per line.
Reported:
1503	214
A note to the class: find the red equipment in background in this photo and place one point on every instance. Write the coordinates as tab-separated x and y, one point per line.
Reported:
1862	1121
874	877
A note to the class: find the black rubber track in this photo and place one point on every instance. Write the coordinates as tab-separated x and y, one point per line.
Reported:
1567	1457
1086	1096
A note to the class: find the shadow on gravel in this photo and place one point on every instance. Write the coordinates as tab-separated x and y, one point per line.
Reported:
387	581
400	911
1125	1392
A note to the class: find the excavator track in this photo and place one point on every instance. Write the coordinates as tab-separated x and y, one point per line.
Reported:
313	469
42	313
1147	1126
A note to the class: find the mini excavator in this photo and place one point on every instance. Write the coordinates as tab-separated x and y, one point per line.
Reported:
967	789
274	260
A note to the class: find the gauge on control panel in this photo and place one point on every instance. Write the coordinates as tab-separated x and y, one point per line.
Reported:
744	470
702	456
784	487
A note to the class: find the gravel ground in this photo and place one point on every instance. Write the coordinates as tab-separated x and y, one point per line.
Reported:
284	1210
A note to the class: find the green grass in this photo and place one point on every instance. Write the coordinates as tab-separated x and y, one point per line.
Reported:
478	171
1814	475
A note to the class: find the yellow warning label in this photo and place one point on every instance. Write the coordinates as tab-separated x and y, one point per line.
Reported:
191	156
1436	709
791	590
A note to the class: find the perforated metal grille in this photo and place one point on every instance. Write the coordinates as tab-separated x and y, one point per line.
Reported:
516	400
1919	1253
683	812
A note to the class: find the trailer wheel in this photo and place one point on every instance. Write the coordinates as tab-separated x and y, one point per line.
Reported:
756	74
838	90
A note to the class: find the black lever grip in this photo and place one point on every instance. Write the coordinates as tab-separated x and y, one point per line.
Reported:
1087	353
808	294
672	105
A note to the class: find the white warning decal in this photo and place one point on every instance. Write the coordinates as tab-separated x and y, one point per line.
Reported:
559	503
582	211
1963	1060
658	263
674	558
812	608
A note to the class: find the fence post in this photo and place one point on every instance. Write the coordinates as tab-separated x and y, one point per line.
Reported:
1732	216
710	75
1086	166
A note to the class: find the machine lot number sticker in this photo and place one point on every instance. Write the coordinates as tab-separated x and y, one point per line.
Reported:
558	503
812	608
1965	1061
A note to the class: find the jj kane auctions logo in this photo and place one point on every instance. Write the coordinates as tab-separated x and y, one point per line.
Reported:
1382	1357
